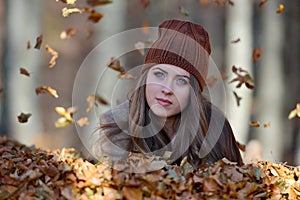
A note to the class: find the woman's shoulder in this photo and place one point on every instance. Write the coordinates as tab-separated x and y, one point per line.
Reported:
117	114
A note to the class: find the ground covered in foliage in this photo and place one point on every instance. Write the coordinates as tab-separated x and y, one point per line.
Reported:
32	173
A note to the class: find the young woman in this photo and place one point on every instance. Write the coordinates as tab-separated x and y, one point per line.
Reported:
167	113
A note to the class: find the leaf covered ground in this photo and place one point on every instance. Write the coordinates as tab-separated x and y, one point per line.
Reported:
32	173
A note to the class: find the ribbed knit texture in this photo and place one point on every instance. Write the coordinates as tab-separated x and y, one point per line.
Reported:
183	44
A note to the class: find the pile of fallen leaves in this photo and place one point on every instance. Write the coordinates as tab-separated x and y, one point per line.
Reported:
31	173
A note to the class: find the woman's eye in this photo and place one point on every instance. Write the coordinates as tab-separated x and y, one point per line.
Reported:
182	81
159	74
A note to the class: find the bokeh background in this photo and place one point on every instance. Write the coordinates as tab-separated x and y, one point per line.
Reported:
236	28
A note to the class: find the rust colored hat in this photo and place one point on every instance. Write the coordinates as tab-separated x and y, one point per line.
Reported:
183	44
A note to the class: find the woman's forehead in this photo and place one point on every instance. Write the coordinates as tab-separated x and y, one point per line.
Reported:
171	68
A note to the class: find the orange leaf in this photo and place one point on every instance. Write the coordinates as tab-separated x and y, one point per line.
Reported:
47	89
280	9
254	123
262	3
145	3
211	81
126	75
132	193
39	41
94	15
23	118
54	54
267	124
24	72
145	28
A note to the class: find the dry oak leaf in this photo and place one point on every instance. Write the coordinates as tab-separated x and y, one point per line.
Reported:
68	11
115	65
256	55
94	3
44	89
295	112
24	72
254	123
262	3
39	41
94	15
93	100
67	33
243	77
23	117
54	54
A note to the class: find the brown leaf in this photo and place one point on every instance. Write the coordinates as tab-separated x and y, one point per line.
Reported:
67	33
84	121
54	54
242	147
254	123
280	9
236	40
132	193
126	75
93	100
256	55
28	45
267	124
89	33
94	3
66	113
47	89
237	98
1	89
39	41
262	3
115	65
243	77
94	15
23	117
24	72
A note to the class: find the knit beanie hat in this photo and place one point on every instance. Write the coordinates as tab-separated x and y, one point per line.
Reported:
183	44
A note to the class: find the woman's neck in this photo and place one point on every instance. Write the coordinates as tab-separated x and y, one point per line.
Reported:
169	127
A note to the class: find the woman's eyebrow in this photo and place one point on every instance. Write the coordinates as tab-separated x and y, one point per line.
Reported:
167	72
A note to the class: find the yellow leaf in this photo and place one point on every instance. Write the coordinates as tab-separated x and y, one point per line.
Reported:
62	122
47	89
83	121
68	11
54	54
280	9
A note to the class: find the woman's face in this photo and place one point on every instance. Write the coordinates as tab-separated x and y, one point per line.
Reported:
167	89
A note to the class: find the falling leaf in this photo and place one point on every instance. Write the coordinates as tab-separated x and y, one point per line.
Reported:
236	40
68	11
126	75
62	122
93	100
71	2
54	55
94	15
223	2
243	77
84	121
256	55
1	89
89	33
39	41
262	3
254	124
67	33
94	3
145	3
280	9
47	89
204	2
183	11
66	113
295	112
211	81
237	98
115	65
28	45
23	117
242	147
224	76
24	72
267	124
145	28
140	47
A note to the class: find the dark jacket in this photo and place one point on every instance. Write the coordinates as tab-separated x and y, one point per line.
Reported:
115	141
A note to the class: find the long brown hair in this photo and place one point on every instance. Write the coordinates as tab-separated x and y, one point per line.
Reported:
191	125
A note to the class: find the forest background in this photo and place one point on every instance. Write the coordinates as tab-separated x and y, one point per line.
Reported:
261	37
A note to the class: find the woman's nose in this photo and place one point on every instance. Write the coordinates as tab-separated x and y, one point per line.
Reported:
167	90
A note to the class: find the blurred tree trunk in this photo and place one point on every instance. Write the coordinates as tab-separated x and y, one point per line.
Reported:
239	26
22	25
270	77
2	15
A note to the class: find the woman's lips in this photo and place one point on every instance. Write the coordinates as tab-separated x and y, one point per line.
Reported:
163	102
